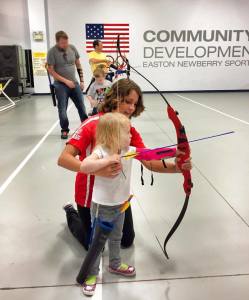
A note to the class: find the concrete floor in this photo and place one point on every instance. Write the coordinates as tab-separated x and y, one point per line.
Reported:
209	254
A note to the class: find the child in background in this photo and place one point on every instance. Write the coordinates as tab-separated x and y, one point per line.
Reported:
112	141
96	92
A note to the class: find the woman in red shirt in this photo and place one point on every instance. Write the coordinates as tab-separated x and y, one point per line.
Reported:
125	96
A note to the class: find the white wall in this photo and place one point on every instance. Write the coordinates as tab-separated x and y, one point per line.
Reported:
142	15
14	23
37	22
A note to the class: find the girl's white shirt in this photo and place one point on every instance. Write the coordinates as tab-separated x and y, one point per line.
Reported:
113	191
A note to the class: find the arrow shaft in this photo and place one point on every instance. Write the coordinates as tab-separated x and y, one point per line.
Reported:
191	141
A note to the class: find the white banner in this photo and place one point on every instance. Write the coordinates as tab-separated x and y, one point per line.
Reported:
179	45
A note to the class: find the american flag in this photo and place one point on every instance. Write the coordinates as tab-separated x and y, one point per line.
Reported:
108	34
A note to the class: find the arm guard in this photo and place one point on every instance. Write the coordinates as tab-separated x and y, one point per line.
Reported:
80	72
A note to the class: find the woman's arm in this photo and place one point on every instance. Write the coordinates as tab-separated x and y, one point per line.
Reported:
158	166
68	160
93	163
167	167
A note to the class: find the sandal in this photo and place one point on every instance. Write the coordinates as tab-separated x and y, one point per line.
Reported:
124	269
89	285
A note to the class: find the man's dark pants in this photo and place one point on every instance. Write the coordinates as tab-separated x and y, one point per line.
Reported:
63	93
79	223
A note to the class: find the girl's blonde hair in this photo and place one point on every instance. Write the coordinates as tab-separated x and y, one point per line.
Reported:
110	131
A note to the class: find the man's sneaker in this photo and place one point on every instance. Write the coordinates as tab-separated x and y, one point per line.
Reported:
124	270
68	206
89	285
64	135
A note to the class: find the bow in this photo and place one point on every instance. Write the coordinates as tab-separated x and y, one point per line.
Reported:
182	145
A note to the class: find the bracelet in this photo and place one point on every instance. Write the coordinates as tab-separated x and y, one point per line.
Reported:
164	164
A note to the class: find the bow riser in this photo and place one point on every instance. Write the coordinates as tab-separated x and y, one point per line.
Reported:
182	146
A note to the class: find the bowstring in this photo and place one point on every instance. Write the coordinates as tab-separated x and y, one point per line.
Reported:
118	110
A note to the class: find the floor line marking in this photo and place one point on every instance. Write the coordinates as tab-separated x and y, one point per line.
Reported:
213	109
128	281
12	176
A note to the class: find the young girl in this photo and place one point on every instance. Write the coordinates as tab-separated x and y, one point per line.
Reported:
112	141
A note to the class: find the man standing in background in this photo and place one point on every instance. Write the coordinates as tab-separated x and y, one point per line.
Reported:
62	60
97	57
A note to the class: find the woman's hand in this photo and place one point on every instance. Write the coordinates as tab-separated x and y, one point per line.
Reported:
187	165
110	171
108	167
114	159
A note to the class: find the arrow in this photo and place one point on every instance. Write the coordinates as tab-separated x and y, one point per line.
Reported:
192	141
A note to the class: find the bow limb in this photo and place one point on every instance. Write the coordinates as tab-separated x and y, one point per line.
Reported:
124	58
176	225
